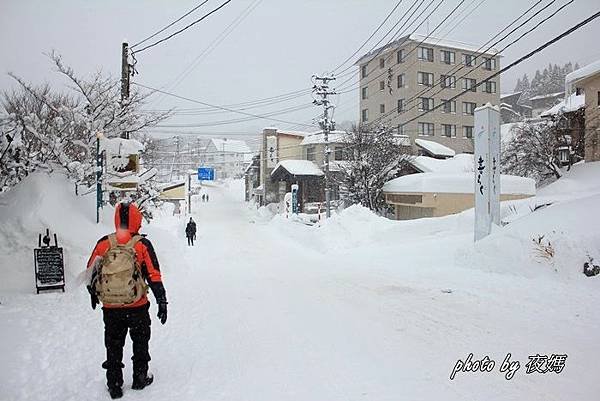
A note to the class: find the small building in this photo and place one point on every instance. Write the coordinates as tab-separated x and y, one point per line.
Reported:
172	192
541	103
306	174
229	157
439	194
514	108
252	179
433	149
586	82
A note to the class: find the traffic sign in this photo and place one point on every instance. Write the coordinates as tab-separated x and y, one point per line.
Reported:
206	174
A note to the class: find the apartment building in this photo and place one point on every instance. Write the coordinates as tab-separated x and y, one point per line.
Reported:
414	74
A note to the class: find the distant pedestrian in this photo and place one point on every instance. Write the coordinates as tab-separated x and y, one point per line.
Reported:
207	197
190	232
203	197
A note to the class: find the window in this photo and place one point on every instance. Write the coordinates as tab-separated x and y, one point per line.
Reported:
469	84
449	130
364	93
363	71
381	85
365	115
467	131
598	98
449	106
400	105
381	62
425	53
469	60
425	103
447	57
401	129
489	63
311	152
447	81
490	87
338	153
425	78
425	129
382	108
400	56
579	91
401	81
469	108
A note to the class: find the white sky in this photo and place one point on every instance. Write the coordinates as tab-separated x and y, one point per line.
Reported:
274	50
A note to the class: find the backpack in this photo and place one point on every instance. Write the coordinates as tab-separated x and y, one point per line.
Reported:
119	280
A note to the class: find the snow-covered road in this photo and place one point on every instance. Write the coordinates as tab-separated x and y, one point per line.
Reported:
263	311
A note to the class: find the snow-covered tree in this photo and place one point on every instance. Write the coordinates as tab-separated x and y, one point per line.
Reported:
533	151
373	158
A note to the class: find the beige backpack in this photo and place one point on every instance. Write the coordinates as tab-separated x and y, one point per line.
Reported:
120	280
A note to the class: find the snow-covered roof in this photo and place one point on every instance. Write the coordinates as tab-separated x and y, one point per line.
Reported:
434	148
582	73
433	41
504	95
230	145
294	133
572	103
460	183
547	96
120	146
319	137
460	163
298	167
401	140
338	165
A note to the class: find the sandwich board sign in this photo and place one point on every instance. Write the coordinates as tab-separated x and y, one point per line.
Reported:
49	265
206	174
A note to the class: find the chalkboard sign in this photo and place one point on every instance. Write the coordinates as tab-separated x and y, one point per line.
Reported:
49	267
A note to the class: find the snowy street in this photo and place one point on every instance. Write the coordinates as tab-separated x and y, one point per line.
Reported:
260	310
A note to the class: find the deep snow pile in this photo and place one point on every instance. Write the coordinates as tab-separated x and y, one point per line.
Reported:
357	308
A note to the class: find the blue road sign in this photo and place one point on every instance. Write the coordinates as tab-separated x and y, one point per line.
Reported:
206	174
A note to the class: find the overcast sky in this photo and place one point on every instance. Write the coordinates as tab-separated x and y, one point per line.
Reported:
274	50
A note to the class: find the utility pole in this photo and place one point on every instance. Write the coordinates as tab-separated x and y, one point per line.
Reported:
321	89
124	80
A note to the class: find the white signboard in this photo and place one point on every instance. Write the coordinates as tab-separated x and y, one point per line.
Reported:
487	169
272	156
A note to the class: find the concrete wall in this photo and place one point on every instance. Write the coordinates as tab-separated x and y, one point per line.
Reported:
410	67
591	87
436	204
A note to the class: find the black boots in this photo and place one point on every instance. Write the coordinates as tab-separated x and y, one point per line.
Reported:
115	392
142	381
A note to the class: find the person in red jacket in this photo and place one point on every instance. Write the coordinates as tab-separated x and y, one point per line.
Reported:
118	319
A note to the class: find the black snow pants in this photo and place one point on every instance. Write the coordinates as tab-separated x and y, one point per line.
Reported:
116	323
190	239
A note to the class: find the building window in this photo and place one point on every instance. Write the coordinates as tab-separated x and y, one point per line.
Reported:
448	81
400	56
381	85
467	131
401	81
401	129
469	84
382	108
449	130
365	115
363	71
489	63
449	106
400	105
364	93
469	60
338	153
447	57
490	87
579	91
598	98
381	62
311	152
425	129
425	103
425	53
469	108
425	78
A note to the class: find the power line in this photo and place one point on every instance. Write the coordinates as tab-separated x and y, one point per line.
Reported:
216	106
370	37
171	24
184	28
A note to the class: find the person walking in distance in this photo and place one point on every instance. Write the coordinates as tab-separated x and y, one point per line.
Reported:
190	231
123	265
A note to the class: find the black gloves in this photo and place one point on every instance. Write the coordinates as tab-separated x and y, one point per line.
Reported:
162	312
93	297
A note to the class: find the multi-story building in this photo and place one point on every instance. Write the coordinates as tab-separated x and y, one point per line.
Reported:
414	74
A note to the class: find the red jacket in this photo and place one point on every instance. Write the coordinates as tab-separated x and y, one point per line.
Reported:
128	221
